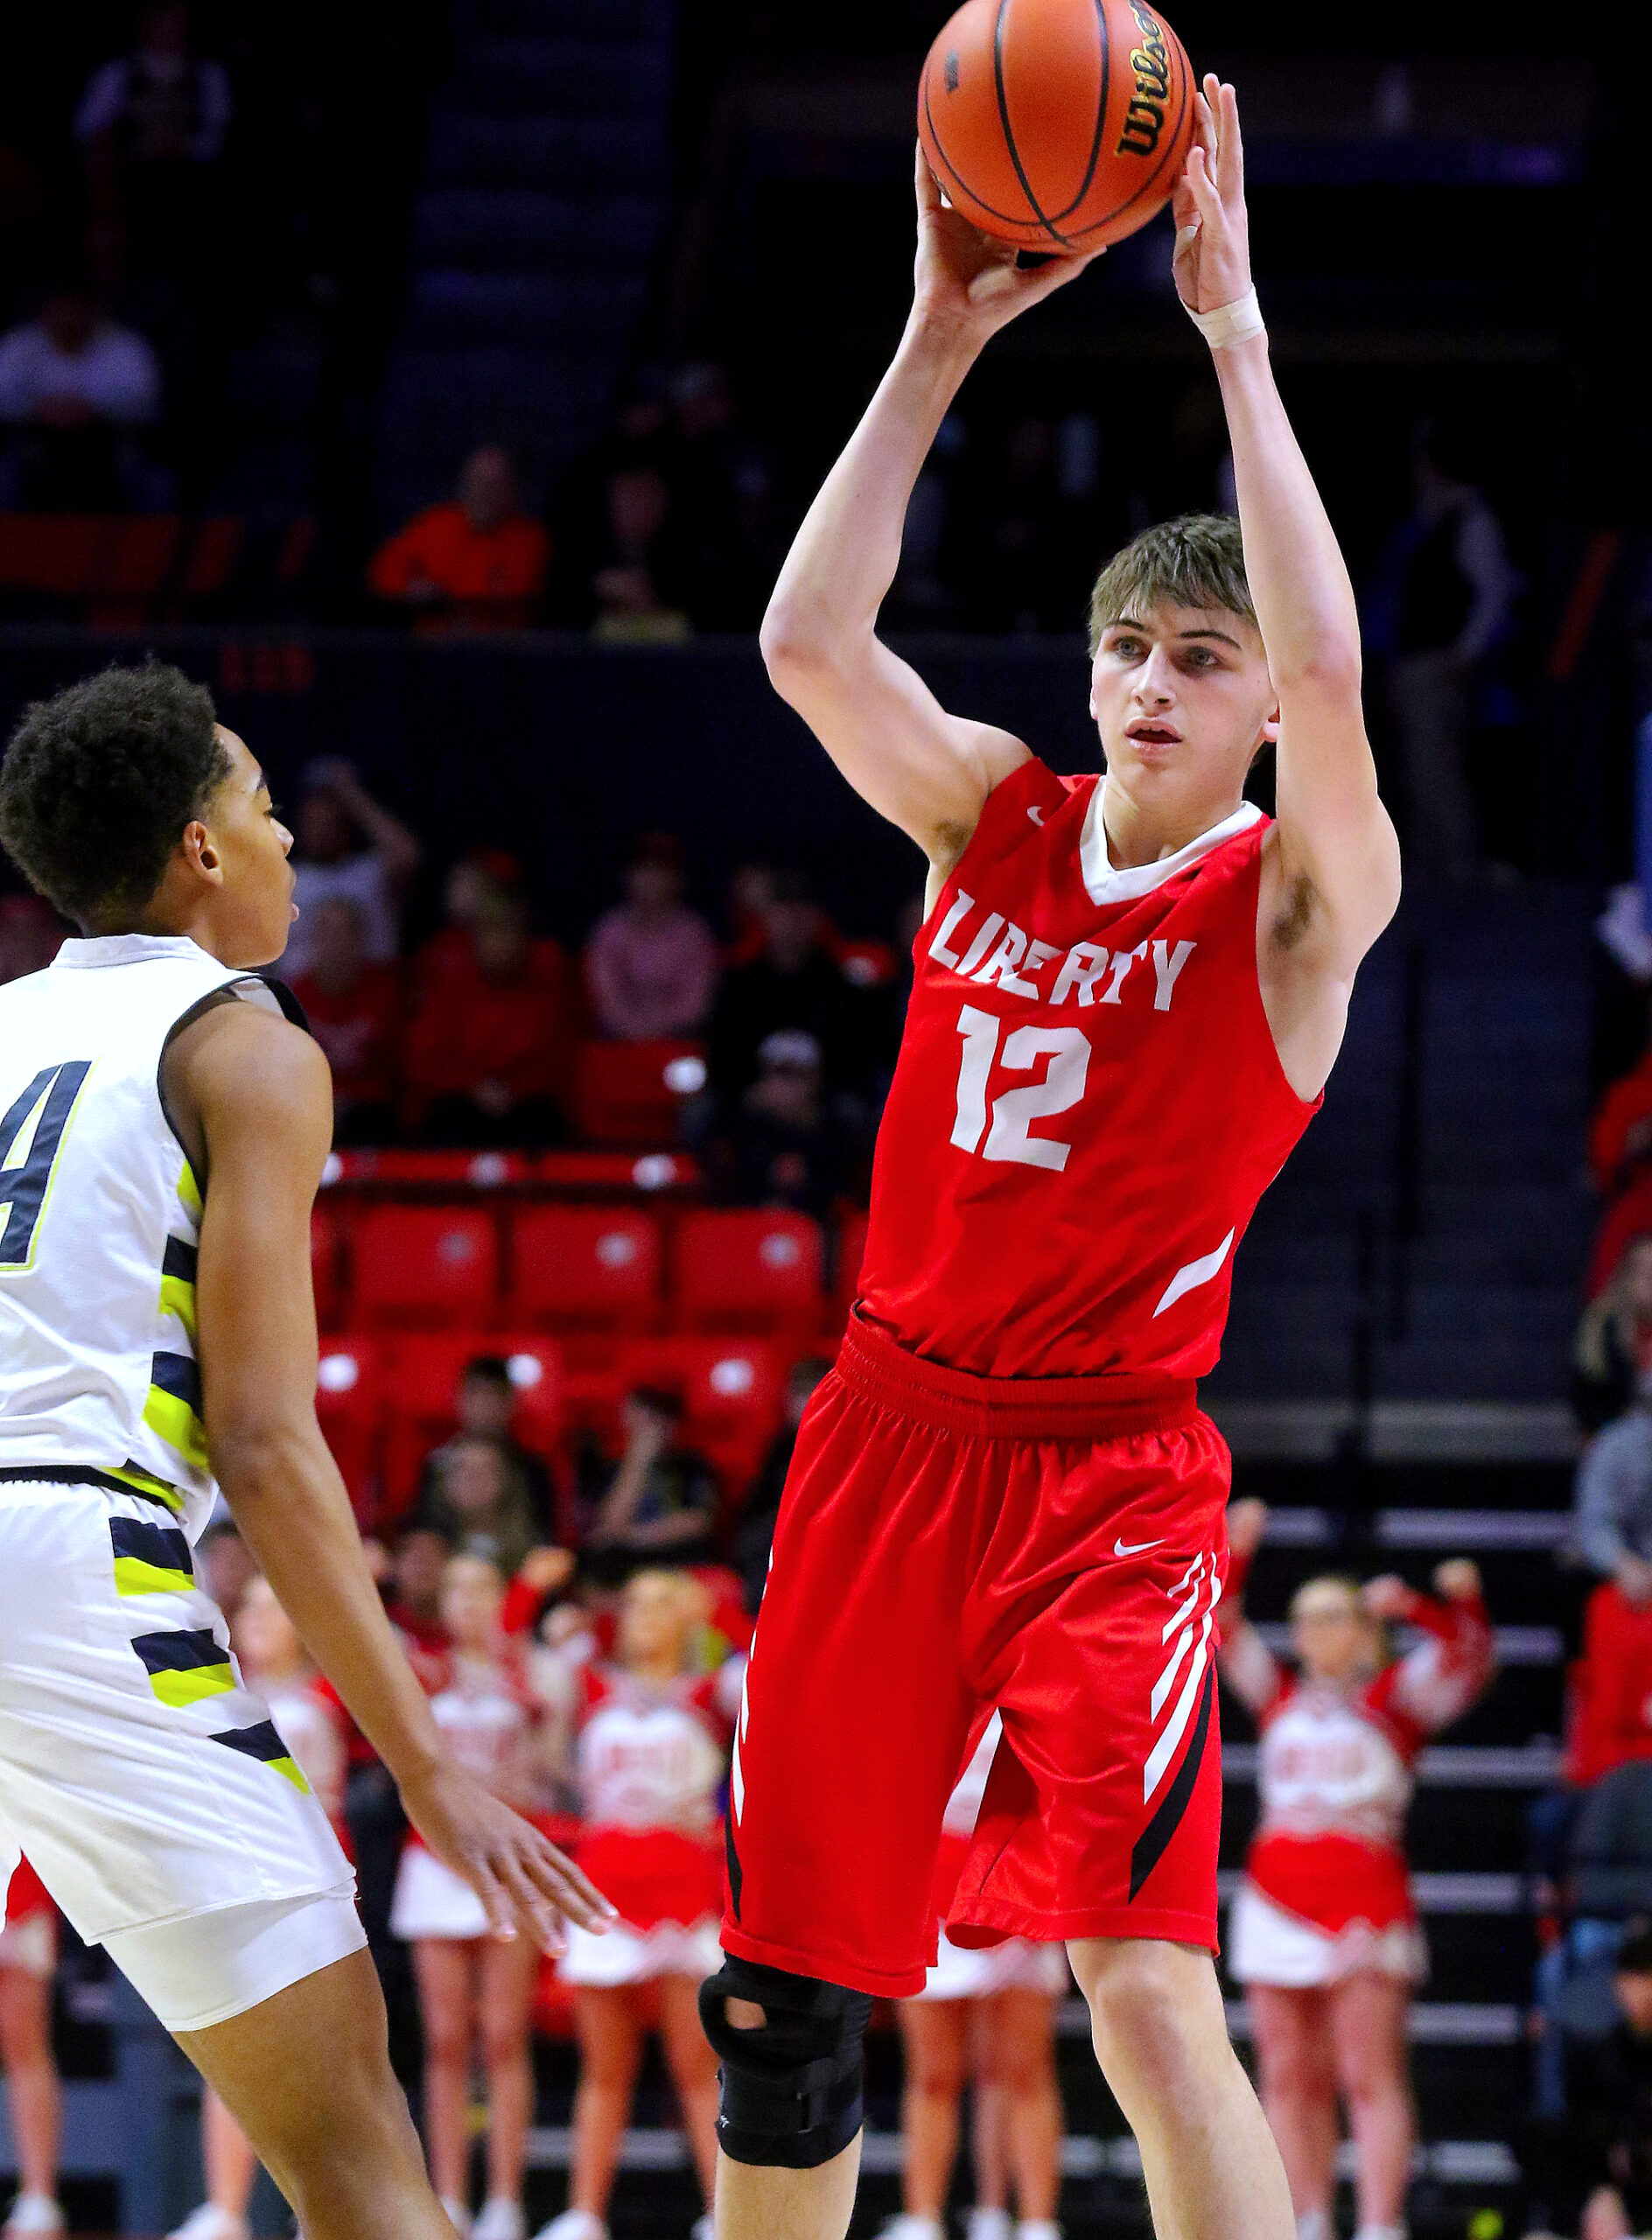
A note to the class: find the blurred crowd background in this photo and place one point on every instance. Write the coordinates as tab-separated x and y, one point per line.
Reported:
442	384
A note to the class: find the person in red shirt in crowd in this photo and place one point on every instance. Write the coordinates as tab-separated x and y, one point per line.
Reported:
486	1058
651	963
354	1011
1324	1933
313	1724
477	563
28	1956
472	883
1611	1696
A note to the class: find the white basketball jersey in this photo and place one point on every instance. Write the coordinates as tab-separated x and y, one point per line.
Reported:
99	1220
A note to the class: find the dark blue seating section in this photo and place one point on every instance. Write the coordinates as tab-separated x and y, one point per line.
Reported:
534	236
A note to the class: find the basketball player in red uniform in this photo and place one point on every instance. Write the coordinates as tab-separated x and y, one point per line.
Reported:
1129	993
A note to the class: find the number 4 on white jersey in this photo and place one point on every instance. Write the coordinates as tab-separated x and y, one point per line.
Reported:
1068	1051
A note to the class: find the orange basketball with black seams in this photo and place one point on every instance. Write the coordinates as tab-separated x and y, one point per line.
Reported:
1061	125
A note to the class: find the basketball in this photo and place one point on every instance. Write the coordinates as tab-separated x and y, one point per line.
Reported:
1061	125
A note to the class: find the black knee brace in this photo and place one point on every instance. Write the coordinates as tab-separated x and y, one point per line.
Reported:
791	2090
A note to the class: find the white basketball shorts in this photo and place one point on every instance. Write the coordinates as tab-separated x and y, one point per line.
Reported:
145	1782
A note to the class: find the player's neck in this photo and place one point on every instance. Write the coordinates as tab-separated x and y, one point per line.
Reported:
1138	833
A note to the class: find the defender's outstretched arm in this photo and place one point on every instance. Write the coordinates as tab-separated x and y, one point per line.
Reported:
1338	857
926	771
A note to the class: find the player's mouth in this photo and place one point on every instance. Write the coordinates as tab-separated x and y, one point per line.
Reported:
1144	733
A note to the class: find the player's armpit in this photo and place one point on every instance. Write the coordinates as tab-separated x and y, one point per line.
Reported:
926	771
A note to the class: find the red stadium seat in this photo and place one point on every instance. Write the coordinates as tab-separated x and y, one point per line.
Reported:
632	1092
324	1275
420	1267
350	1409
587	1172
583	1268
56	554
452	1172
753	1271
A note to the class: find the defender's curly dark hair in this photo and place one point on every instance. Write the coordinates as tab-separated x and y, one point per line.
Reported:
99	781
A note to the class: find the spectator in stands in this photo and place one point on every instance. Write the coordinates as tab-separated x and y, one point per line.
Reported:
1612	1686
478	1499
478	879
658	1504
754	1533
486	1055
152	125
651	963
1609	2093
1452	591
348	845
355	1010
477	561
224	1564
721	491
413	1587
34	2094
1620	1132
485	1403
1612	1509
31	936
1613	1347
633	589
77	391
794	982
786	1143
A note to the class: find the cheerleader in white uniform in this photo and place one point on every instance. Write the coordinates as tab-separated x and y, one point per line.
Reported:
1324	1932
483	1705
988	2016
311	1721
28	1961
651	1753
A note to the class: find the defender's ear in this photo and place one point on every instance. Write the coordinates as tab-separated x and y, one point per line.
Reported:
199	852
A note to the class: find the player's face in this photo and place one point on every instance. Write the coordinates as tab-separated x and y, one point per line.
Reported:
253	910
1183	700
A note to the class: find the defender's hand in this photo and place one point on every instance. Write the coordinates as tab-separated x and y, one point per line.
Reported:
969	283
1212	264
524	1882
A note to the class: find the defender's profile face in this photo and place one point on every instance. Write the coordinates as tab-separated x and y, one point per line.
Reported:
249	846
1183	700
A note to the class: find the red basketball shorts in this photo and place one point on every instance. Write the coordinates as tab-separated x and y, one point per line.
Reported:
947	1541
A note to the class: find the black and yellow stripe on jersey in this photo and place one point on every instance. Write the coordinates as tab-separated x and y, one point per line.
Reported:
149	1558
172	1409
186	1664
261	1741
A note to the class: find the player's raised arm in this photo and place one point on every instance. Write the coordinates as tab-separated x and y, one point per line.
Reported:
254	1092
926	771
1338	861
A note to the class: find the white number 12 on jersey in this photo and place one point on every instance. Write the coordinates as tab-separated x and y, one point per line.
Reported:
1068	1051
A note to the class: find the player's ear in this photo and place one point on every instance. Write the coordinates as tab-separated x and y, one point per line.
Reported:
201	853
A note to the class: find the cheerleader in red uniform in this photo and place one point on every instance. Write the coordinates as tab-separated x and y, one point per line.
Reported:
482	1703
1324	1932
28	1956
311	1722
988	2016
650	1754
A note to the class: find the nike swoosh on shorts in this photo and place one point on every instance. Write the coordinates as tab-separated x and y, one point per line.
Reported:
1139	1548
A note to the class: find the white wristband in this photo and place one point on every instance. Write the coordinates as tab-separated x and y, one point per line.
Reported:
1229	323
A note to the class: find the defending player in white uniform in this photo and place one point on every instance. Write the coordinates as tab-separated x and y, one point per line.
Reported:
163	1129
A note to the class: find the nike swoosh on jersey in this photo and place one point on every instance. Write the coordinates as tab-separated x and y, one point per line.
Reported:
1138	1548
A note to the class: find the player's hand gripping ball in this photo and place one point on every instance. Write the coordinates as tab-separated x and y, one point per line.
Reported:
1060	125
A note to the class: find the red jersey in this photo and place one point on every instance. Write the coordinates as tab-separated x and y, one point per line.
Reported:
1087	1105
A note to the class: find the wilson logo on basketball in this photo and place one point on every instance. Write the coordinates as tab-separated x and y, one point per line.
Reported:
1150	66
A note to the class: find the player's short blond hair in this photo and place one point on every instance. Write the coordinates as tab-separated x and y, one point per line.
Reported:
1197	560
